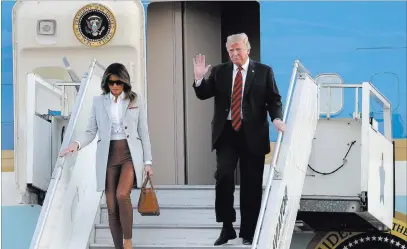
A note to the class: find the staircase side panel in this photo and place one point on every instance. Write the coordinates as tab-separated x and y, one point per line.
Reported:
294	155
75	192
380	192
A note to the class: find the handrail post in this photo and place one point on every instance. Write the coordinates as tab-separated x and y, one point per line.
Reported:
328	115
274	159
356	115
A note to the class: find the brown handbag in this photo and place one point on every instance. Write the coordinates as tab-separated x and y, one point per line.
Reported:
147	203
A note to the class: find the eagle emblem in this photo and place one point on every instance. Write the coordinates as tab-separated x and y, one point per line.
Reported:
94	24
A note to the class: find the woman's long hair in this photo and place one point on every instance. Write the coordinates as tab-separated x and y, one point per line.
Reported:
120	71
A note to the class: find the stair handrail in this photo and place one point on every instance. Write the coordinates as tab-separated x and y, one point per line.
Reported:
57	173
273	166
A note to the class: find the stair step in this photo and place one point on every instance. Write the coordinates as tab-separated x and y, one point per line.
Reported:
177	215
167	235
193	195
228	246
180	196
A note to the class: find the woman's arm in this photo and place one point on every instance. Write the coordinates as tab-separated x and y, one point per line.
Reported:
142	130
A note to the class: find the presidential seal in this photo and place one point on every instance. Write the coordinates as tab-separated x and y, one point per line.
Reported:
397	239
373	240
94	25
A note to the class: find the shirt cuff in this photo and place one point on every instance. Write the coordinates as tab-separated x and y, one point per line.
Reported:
148	163
198	82
79	144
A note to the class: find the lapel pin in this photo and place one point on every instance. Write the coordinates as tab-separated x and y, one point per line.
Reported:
252	71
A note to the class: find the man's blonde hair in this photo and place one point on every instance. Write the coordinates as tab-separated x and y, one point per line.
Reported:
242	37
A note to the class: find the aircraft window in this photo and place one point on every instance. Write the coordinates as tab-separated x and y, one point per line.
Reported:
333	98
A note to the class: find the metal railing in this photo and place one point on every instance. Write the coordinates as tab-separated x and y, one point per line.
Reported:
367	90
298	67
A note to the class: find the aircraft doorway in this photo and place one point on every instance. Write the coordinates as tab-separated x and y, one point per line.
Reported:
180	124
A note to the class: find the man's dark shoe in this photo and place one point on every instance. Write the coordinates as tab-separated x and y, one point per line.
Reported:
247	242
225	235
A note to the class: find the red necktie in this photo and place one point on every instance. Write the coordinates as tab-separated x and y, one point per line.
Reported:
237	100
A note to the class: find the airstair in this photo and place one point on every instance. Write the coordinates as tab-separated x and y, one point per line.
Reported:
327	172
295	199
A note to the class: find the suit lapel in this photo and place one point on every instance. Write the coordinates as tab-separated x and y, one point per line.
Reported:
249	77
106	103
228	77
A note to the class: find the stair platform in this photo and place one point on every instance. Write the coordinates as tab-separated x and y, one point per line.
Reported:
334	213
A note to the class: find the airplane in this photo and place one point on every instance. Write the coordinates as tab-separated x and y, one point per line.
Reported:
46	54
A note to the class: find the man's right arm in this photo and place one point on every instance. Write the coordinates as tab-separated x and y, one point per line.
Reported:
205	88
273	100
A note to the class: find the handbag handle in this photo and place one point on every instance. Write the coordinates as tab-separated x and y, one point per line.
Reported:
146	180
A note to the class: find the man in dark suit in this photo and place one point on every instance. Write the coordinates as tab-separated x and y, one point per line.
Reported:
244	91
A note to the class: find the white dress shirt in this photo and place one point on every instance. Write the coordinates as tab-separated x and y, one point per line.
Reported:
116	109
245	67
117	129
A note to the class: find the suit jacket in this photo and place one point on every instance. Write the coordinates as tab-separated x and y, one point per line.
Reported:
136	129
260	96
